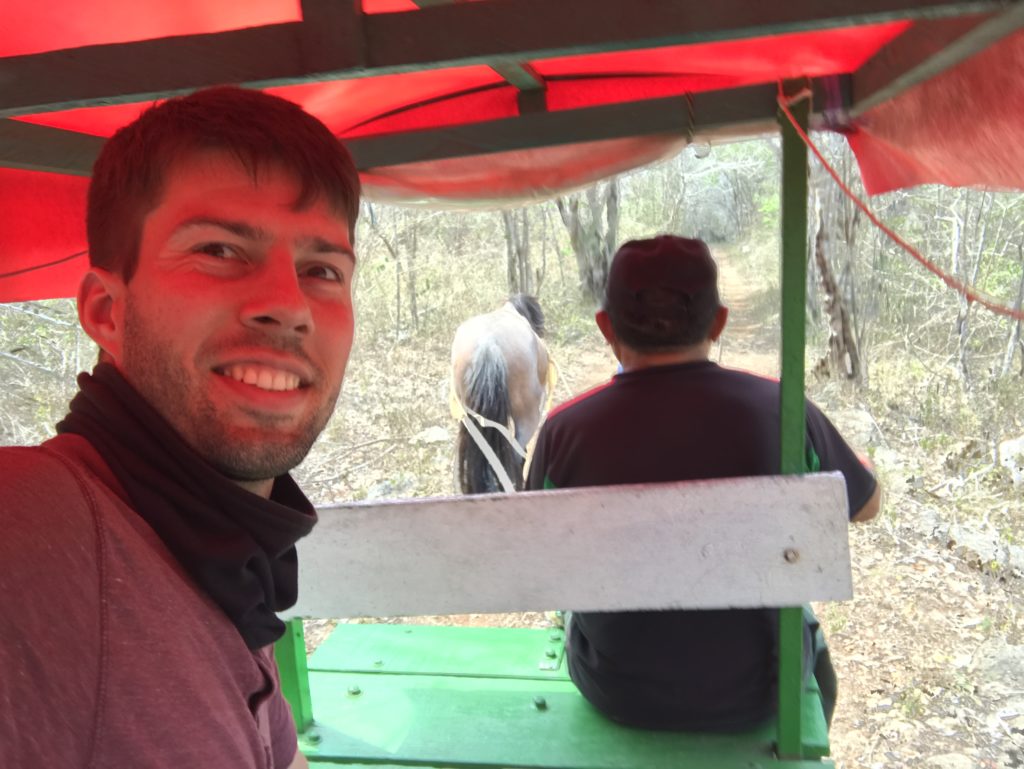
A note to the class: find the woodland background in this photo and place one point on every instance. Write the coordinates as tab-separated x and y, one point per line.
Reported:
931	652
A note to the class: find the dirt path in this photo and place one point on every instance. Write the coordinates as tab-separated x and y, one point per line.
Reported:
747	343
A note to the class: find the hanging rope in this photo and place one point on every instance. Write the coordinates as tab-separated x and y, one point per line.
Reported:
968	292
36	267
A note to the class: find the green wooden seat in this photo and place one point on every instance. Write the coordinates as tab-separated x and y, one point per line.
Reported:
405	695
401	695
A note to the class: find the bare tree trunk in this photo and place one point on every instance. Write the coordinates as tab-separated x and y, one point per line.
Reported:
541	272
517	251
611	239
392	249
523	262
593	234
963	324
414	315
843	357
1014	337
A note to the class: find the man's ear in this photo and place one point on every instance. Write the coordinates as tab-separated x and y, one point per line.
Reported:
101	297
718	324
604	322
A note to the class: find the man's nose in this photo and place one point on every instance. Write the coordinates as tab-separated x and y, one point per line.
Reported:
275	298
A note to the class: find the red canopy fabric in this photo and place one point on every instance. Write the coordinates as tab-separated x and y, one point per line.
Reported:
43	222
514	178
32	26
455	96
897	143
963	128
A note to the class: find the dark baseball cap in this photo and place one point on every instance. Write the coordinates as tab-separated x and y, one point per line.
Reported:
645	275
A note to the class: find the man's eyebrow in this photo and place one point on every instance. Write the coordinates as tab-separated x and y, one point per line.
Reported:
324	246
241	229
251	232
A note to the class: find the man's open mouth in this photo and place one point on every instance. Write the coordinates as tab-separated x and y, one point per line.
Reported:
263	377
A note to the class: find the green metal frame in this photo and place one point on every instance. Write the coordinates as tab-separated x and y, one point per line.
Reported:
792	416
290	653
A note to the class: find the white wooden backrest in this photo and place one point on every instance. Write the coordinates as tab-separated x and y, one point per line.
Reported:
738	542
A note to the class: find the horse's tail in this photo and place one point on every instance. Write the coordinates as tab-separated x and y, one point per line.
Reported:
486	393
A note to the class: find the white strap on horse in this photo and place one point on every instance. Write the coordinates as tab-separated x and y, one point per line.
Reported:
488	452
467	416
503	429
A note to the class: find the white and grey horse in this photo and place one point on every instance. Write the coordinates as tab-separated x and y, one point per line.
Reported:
501	374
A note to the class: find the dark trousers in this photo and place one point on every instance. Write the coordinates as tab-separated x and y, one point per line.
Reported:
821	664
817	659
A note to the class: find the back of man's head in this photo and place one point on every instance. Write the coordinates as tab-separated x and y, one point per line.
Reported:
662	293
258	129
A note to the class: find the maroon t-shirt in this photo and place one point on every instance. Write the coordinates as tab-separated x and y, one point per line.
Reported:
689	670
110	655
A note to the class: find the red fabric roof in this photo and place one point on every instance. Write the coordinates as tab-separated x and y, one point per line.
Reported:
897	143
453	96
43	222
962	128
32	26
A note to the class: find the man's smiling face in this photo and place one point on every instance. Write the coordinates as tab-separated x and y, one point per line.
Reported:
238	321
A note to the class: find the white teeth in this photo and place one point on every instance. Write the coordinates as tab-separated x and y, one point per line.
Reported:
263	377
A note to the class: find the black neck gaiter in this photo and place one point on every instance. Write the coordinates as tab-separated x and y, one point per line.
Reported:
238	546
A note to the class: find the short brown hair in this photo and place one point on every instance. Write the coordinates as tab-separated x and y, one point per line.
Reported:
257	128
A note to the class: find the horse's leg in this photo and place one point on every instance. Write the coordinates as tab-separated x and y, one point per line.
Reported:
526	426
528	408
527	414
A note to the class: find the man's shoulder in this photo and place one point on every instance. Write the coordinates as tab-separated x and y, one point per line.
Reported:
745	377
576	405
34	469
53	492
51	469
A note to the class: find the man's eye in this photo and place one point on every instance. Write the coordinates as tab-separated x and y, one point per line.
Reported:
218	250
325	272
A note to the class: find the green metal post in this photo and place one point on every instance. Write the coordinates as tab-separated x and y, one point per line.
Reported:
793	428
290	652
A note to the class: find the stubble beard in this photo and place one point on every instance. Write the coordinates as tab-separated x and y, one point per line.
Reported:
255	453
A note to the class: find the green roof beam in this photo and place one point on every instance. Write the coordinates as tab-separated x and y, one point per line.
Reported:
739	111
336	41
41	148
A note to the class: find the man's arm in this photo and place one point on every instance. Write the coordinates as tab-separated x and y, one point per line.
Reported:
299	762
50	613
863	491
534	480
870	508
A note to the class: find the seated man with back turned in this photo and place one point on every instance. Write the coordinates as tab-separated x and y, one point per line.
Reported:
674	415
147	547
